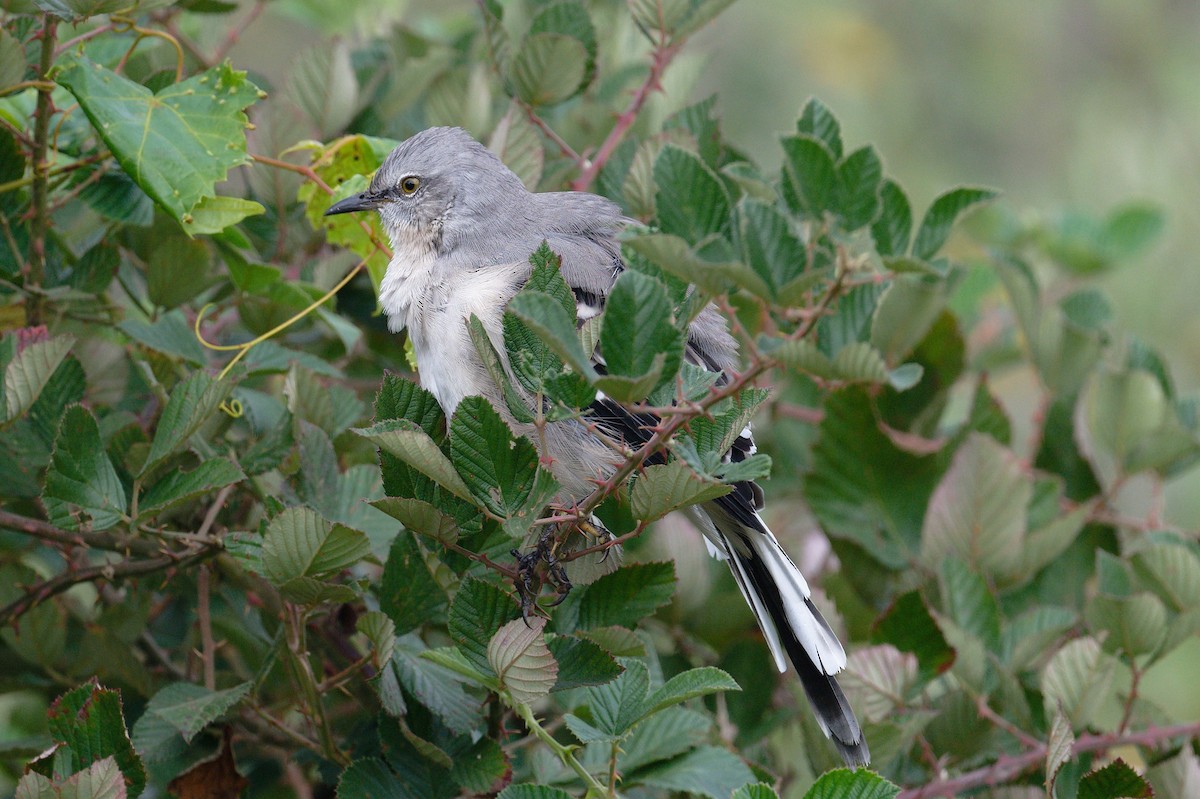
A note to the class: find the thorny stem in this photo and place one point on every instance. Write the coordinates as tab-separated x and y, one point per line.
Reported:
105	541
208	648
663	56
564	753
307	683
40	222
1008	768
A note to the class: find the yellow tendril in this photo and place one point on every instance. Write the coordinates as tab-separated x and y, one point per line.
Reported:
234	408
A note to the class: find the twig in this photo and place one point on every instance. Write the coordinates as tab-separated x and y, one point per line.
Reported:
41	172
109	571
986	712
566	754
1008	768
552	135
236	32
208	648
663	56
105	541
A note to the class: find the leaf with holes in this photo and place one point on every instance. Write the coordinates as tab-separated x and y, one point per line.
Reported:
176	144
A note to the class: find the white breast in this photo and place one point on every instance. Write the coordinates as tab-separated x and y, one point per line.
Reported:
434	300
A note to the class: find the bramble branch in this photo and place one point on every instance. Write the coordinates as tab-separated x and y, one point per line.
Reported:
106	541
1008	768
40	222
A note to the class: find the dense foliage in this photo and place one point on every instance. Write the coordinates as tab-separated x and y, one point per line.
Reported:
242	550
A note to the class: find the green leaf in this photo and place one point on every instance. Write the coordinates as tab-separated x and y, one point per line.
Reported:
81	478
1115	781
482	768
380	630
400	398
1136	624
519	656
555	326
180	486
500	469
477	611
214	214
420	517
1078	678
669	487
581	663
615	706
664	735
691	201
859	362
893	228
517	142
978	510
176	144
818	121
906	312
969	602
941	216
410	443
674	255
1172	572
569	18
101	780
688	685
437	686
408	592
370	778
863	488
910	627
1132	228
843	783
192	402
89	723
704	771
859	176
170	334
548	68
530	791
299	543
626	596
27	374
809	175
189	708
768	246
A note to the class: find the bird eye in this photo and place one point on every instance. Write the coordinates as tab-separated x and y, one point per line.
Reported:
410	184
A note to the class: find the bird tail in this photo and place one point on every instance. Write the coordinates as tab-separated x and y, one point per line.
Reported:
795	630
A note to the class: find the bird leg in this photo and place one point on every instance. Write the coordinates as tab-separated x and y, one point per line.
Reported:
531	577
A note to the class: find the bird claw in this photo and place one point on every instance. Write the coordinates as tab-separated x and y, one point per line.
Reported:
529	582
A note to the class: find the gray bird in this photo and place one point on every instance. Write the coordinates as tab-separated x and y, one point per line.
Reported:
462	227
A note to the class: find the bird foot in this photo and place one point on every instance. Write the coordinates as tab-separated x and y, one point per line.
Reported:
531	576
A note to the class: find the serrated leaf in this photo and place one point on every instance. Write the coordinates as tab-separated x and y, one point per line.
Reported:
477	611
664	735
859	176
180	486
801	355
548	68
877	680
846	784
27	374
1115	781
906	312
1172	572
581	663
437	686
704	771
910	627
380	630
671	486
1032	634
192	402
554	326
299	543
407	441
171	334
500	470
89	723
482	768
81	478
519	656
893	228
978	510
1058	748
809	175
213	214
691	201
768	246
176	144
370	778
688	685
189	708
420	517
407	591
626	595
616	706
941	216
1135	624
859	362
676	257
638	328
1078	678
818	121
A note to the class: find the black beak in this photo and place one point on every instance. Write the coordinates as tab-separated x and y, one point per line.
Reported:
358	202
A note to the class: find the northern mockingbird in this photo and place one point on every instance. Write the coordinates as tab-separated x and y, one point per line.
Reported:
462	228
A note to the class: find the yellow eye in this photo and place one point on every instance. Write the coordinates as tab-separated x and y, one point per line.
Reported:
410	184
